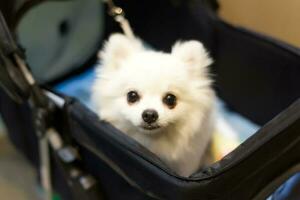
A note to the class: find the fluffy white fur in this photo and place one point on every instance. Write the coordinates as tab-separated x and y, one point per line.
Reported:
185	130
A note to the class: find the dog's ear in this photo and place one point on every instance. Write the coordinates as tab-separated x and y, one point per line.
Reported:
193	54
117	49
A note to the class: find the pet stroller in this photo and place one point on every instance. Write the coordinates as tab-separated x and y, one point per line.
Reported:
256	76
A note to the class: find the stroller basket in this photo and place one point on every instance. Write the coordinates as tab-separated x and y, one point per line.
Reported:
256	76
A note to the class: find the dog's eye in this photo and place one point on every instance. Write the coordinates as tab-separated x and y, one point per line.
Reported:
170	100
133	97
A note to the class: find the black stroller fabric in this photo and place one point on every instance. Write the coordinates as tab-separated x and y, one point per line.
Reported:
255	75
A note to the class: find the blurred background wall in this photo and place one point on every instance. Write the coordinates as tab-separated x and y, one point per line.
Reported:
277	18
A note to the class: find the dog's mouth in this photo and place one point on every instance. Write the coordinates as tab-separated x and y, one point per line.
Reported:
150	127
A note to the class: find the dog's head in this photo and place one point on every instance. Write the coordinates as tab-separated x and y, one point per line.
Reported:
138	88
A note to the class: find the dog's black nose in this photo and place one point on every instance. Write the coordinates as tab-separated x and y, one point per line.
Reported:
149	116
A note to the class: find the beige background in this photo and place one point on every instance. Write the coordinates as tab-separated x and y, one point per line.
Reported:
277	18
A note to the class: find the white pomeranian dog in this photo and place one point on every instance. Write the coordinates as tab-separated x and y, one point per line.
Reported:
162	100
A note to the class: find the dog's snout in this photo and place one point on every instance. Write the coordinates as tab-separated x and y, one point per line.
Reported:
149	116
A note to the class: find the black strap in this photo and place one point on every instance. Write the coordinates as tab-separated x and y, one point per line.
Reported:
11	79
7	43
